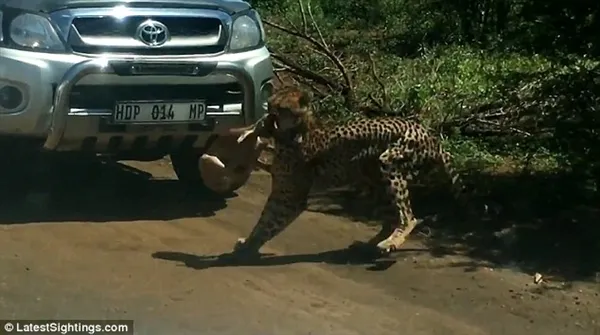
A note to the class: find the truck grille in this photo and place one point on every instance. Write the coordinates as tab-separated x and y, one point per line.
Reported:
105	96
188	35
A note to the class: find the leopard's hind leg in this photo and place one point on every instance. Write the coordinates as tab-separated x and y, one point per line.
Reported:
398	165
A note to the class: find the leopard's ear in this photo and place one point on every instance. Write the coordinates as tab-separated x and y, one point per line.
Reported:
305	98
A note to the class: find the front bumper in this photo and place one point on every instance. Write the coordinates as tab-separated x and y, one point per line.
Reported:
49	80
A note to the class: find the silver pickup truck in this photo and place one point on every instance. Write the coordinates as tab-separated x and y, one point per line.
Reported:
130	79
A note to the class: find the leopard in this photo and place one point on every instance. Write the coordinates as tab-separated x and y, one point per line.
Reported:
387	152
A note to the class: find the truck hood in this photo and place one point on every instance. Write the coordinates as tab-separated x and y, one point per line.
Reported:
229	6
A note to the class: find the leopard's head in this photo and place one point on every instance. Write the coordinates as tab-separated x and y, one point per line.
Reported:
289	112
288	118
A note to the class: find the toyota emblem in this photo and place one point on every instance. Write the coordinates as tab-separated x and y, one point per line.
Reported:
152	33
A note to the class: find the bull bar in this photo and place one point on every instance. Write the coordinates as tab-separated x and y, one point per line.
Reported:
61	104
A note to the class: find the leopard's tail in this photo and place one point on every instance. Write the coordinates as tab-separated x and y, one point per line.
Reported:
459	190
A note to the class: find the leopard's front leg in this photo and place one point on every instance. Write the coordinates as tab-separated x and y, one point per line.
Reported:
284	205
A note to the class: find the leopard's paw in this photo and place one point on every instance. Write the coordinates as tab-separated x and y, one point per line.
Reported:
392	243
239	244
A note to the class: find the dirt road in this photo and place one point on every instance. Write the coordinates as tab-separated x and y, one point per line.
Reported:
133	248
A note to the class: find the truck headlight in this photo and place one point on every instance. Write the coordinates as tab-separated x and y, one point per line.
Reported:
245	33
34	32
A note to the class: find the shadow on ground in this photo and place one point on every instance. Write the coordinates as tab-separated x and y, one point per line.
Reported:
98	191
539	223
357	254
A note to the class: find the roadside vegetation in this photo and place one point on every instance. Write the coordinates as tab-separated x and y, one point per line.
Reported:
511	85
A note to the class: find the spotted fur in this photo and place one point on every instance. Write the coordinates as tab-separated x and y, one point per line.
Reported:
387	152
